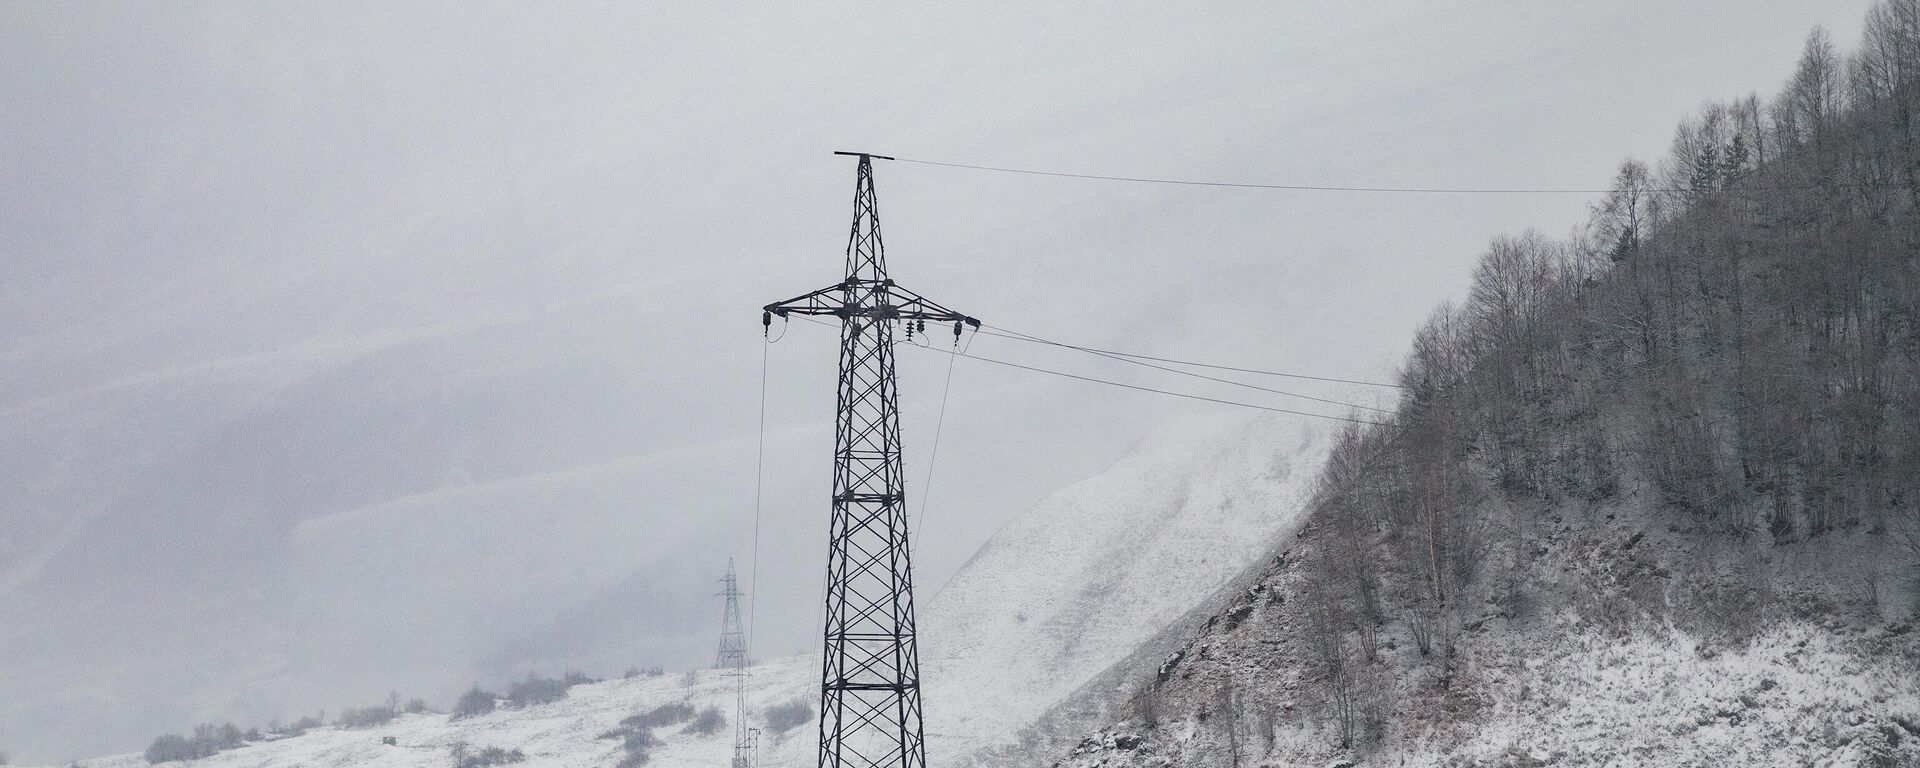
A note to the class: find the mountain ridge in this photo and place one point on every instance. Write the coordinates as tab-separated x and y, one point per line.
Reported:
1649	496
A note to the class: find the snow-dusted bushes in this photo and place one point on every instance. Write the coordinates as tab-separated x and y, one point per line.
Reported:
636	739
475	702
299	726
541	690
170	747
633	735
526	693
367	717
536	690
636	731
364	717
670	713
207	739
708	722
788	715
465	756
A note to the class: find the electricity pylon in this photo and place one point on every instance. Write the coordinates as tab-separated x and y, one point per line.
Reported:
746	745
733	658
870	714
733	641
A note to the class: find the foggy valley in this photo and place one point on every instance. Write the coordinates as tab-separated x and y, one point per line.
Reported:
1316	384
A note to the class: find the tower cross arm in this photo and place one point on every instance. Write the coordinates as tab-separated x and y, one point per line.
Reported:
883	300
912	306
830	300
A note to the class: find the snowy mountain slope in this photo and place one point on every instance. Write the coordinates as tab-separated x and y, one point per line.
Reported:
1798	694
1087	575
1072	585
306	530
562	734
1639	645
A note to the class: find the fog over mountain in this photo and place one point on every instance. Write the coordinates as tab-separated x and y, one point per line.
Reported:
353	348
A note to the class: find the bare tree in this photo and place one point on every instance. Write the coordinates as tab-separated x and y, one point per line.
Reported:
1806	108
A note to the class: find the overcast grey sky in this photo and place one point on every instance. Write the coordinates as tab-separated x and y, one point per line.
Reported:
358	346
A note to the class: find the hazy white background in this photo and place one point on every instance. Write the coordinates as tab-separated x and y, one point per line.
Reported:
347	348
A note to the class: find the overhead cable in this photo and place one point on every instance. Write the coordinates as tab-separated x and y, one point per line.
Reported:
1137	387
1342	188
1137	360
1169	393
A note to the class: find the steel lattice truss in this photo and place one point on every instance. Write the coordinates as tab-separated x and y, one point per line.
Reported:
733	658
733	641
870	678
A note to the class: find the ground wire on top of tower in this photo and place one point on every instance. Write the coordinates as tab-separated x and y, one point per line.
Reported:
1434	190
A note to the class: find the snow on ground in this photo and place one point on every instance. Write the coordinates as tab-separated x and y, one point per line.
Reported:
1794	695
1797	695
1065	590
556	735
1091	572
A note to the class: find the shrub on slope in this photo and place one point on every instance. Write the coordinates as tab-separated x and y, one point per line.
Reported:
788	715
670	713
707	723
475	702
207	740
465	756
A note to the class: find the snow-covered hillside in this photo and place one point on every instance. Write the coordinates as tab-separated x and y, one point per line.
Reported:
1065	590
1799	694
1091	572
563	733
315	527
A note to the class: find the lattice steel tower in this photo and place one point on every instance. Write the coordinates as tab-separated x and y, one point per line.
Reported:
733	658
733	641
870	674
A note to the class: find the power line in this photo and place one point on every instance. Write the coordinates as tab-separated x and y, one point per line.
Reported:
870	687
1399	190
1134	360
1139	387
1018	336
1160	391
759	479
926	488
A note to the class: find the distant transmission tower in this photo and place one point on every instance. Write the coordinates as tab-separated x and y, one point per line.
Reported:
870	712
733	658
733	641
